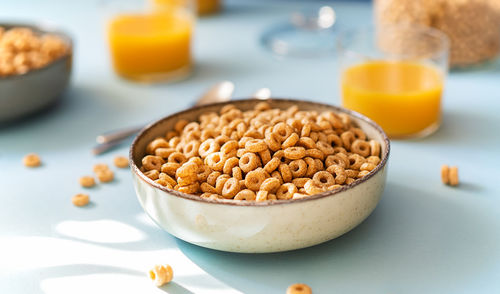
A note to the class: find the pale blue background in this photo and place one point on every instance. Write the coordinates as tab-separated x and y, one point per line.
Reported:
423	237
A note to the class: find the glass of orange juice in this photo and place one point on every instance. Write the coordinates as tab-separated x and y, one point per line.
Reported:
395	75
150	41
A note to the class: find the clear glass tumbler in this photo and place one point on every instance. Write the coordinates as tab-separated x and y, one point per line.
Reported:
150	41
395	75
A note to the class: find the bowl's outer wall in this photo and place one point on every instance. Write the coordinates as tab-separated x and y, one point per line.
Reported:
257	229
261	229
24	94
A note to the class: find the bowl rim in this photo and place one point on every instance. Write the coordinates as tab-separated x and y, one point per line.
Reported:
45	27
135	169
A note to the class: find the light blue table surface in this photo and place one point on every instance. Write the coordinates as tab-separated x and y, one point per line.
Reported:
424	237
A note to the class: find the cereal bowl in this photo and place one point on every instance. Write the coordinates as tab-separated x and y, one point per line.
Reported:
36	89
259	227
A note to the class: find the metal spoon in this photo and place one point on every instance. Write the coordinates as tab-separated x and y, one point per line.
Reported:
220	92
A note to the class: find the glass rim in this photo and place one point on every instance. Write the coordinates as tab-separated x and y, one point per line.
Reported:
442	50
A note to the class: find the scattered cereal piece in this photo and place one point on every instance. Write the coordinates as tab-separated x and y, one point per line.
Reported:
161	274
121	161
100	167
449	175
105	175
299	289
80	200
87	181
32	160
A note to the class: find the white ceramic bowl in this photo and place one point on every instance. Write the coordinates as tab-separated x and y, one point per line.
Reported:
258	227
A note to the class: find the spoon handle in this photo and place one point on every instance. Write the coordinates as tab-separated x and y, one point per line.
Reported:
117	135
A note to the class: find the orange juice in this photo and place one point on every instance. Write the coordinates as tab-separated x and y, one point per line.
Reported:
152	46
404	98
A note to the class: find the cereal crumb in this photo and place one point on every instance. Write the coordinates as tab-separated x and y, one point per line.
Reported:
87	181
161	274
100	166
299	289
121	161
449	175
80	200
32	160
105	175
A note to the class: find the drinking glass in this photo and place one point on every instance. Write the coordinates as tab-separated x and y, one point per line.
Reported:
395	75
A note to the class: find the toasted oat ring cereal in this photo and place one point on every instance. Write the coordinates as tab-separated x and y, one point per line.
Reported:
338	173
286	191
361	147
311	187
151	162
254	179
298	168
270	184
249	162
256	145
261	155
262	195
161	274
295	152
121	161
299	289
339	159
286	173
87	181
32	160
107	175
246	194
323	178
80	200
207	147
231	188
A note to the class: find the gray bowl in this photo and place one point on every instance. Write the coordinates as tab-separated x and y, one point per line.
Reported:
24	94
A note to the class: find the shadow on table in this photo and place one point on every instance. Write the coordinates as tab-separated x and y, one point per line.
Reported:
411	237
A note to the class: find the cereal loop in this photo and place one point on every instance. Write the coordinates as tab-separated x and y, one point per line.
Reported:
323	178
246	194
254	179
286	191
255	145
215	161
270	184
161	274
299	289
286	173
80	200
152	162
231	188
249	162
338	172
31	160
295	152
177	157
361	147
298	168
